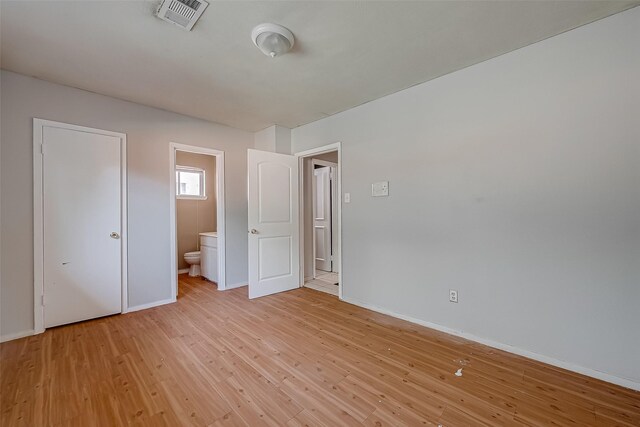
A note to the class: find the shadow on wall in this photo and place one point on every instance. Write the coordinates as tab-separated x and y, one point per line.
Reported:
196	216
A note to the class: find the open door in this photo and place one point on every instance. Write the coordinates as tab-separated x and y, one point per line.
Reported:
274	259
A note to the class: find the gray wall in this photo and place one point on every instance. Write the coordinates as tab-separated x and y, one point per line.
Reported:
195	216
149	132
515	181
276	139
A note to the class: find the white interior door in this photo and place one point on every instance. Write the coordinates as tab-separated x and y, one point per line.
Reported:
322	217
274	259
82	224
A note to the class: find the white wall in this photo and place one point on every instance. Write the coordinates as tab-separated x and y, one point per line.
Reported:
265	139
275	138
515	181
149	132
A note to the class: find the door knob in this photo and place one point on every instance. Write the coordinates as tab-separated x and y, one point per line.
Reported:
254	231
114	235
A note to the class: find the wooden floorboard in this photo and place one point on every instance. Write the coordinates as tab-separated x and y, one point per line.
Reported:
300	358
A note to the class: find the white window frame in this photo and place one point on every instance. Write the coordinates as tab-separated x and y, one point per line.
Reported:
202	173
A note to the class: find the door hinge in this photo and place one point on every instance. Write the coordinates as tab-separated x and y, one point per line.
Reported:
42	299
41	148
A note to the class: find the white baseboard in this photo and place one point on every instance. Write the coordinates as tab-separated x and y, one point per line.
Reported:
182	271
16	335
150	305
234	286
624	382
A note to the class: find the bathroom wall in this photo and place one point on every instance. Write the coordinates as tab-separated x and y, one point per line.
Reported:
196	216
149	132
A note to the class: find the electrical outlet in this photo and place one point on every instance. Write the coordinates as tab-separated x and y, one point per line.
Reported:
347	197
453	295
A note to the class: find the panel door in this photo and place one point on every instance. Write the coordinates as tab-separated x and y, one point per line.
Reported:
322	217
274	259
82	225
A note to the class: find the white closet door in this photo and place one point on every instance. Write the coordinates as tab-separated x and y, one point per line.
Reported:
81	225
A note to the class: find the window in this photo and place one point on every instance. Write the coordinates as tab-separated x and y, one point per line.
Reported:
190	183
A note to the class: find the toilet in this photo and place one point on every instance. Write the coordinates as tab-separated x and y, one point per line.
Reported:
193	259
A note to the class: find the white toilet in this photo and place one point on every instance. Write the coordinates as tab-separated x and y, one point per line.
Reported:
193	259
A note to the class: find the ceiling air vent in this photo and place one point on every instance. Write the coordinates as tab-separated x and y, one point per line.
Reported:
183	13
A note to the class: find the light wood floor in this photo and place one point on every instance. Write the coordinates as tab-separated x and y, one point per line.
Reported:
300	358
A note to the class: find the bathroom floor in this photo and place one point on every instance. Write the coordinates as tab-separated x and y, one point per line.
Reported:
325	281
187	284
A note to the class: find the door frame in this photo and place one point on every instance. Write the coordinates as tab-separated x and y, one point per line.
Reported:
220	209
335	249
336	146
38	215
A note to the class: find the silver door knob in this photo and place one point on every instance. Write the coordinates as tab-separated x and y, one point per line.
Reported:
254	231
114	235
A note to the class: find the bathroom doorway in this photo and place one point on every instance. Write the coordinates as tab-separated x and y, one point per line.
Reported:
320	197
197	215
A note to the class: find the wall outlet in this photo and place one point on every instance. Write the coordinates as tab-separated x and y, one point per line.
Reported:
347	197
453	295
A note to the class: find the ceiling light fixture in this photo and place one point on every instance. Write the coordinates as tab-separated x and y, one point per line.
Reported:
272	39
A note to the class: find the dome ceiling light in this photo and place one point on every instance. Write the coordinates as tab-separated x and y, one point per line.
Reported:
272	39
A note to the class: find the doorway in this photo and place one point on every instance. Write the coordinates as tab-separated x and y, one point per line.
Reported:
197	215
320	225
276	220
80	223
320	213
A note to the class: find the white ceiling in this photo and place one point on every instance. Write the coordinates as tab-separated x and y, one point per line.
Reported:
346	53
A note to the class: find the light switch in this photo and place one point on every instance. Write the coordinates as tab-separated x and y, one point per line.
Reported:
347	197
380	189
